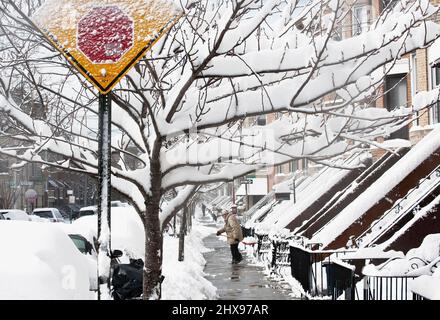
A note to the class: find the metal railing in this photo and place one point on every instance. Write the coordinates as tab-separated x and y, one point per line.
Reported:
387	288
398	210
317	271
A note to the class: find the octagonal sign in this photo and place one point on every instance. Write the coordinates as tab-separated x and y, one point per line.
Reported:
105	34
104	39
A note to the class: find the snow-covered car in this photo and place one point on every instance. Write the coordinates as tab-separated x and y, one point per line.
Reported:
39	261
126	272
14	214
1	216
88	211
118	203
127	231
51	214
84	242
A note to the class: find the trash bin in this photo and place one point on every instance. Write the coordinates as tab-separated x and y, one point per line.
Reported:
339	280
300	263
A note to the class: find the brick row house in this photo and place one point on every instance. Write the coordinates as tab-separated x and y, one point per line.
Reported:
383	213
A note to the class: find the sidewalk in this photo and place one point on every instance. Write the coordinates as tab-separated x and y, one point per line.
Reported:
239	281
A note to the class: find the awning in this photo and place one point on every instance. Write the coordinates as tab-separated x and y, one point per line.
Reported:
257	188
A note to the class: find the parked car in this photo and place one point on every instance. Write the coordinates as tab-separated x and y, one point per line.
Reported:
92	210
84	242
14	214
51	214
126	278
118	203
88	211
39	261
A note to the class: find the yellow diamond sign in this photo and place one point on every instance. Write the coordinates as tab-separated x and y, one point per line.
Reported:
104	39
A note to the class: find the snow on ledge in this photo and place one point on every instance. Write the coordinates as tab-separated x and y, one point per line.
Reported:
372	253
426	286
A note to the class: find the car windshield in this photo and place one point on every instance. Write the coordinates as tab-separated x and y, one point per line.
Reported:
44	214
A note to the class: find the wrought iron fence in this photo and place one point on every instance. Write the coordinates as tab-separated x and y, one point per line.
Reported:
388	288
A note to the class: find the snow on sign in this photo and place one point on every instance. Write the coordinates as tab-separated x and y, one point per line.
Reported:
103	39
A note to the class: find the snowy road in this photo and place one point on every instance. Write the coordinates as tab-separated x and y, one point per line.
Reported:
243	281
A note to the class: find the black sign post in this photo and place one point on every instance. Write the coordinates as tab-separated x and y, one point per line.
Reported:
104	190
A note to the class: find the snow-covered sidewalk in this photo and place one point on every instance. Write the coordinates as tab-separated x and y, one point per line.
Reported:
240	281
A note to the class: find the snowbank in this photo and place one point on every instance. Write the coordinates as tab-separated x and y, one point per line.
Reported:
185	280
40	262
416	260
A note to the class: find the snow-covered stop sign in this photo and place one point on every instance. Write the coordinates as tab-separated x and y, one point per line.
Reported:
103	41
105	34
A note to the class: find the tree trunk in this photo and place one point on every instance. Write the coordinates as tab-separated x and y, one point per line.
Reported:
182	234
153	232
153	256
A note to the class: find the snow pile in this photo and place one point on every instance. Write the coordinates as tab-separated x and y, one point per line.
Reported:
371	253
427	286
39	261
413	264
185	280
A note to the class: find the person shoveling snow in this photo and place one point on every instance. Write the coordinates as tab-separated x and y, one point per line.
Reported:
234	234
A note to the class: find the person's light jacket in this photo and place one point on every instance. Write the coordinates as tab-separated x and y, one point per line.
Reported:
233	229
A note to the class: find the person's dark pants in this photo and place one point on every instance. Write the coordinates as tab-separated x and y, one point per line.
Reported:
236	255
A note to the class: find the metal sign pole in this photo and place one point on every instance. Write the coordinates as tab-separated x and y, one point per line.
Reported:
104	195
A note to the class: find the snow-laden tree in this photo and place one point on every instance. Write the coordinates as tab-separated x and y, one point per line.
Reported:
178	115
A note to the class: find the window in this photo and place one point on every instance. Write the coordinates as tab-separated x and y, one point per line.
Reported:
293	166
413	66
261	120
279	169
80	244
304	165
435	109
387	4
361	18
3	165
44	214
396	96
